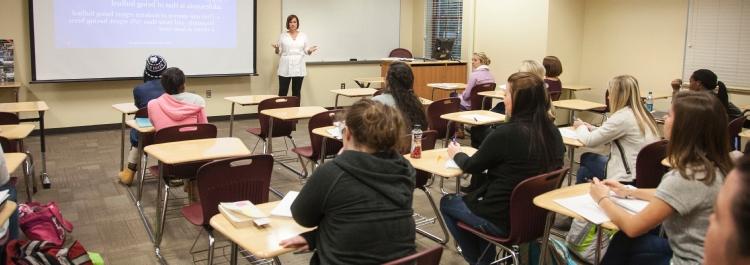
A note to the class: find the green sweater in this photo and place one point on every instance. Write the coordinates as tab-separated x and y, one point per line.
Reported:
505	155
362	206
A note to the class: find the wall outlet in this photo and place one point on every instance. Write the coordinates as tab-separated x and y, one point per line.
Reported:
208	93
343	85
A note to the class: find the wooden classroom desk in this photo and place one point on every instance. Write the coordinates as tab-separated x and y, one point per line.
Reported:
576	105
248	100
11	85
352	93
449	87
547	201
573	88
261	242
433	161
287	114
8	208
572	144
461	117
364	82
744	134
425	102
498	94
174	153
656	95
125	109
16	131
431	72
40	107
12	162
323	131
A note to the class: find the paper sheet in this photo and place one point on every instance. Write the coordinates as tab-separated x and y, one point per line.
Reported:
451	164
245	208
584	206
568	132
335	132
284	207
477	117
632	205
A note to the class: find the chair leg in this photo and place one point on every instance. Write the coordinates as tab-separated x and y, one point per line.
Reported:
163	215
27	177
439	216
211	242
301	161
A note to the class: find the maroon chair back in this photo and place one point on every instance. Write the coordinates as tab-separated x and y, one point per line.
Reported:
429	256
233	179
148	138
477	101
606	102
400	53
555	95
7	118
378	93
648	167
8	146
429	138
323	119
438	108
734	128
280	128
527	221
183	133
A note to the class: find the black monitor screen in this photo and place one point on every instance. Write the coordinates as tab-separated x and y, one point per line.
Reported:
443	48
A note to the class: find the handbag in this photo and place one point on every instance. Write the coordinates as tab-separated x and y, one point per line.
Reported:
43	222
581	240
22	252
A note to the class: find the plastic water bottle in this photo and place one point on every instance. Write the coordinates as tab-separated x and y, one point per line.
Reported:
650	102
416	141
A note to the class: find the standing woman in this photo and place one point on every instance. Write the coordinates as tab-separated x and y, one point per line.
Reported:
629	129
293	46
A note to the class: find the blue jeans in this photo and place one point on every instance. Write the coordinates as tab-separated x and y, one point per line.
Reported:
133	138
646	249
592	165
454	209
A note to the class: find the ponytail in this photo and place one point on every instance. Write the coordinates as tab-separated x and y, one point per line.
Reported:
722	94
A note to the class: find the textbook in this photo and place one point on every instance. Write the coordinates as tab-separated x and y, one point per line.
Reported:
243	214
143	122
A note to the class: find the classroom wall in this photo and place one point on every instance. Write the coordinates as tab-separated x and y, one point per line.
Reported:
565	36
638	37
89	103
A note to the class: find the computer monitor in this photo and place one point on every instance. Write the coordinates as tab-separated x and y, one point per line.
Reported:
443	48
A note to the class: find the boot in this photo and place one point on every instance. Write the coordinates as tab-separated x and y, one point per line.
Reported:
126	176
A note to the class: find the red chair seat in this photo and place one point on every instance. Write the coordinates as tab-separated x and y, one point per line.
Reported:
305	151
254	131
471	229
193	213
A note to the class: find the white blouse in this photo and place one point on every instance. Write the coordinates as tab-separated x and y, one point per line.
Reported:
292	51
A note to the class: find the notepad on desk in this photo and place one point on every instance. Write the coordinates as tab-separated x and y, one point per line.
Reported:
451	164
335	132
283	209
568	132
586	207
477	117
143	122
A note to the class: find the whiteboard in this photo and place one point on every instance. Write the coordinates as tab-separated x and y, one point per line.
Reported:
345	29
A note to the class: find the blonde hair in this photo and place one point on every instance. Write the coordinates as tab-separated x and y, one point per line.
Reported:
624	92
483	59
534	67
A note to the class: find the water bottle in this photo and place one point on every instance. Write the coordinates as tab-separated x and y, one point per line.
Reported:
416	141
650	102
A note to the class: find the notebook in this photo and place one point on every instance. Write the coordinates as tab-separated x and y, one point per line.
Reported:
284	207
568	132
335	132
586	207
477	117
143	122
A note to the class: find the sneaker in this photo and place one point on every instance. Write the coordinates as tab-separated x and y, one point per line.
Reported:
126	176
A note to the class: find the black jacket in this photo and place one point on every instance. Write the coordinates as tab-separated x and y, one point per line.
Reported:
362	206
505	154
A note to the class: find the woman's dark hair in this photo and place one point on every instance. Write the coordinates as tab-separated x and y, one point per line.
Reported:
531	111
374	125
552	66
289	20
173	81
709	81
400	81
699	140
741	208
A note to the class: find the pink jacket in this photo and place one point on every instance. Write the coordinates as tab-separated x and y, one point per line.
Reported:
479	76
165	111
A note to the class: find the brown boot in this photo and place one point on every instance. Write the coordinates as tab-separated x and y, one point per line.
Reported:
126	176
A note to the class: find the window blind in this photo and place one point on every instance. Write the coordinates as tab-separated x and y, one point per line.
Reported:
718	38
443	19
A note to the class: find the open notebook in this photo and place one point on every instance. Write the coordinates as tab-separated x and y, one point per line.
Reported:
586	207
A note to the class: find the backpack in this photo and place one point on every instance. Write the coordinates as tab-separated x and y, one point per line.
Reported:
22	252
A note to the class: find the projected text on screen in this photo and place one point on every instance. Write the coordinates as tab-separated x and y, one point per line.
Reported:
145	23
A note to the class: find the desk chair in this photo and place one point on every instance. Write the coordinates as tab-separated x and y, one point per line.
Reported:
478	102
437	109
527	221
400	53
313	151
429	256
174	174
648	167
16	146
228	180
280	128
602	110
734	128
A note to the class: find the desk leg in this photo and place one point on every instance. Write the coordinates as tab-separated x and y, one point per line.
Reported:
122	143
545	237
598	253
336	103
432	97
484	99
231	120
571	156
161	216
27	176
233	254
46	183
140	174
322	157
447	133
269	137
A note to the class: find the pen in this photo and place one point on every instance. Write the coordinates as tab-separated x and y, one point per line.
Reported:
475	119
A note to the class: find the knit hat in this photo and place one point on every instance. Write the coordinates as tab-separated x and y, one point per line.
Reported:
155	65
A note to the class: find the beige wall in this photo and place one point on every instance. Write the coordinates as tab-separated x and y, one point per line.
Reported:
642	38
88	103
565	36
